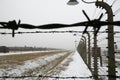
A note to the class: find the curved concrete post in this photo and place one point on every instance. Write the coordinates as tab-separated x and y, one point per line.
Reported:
111	55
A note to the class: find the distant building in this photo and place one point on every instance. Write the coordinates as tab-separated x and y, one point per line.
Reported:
4	49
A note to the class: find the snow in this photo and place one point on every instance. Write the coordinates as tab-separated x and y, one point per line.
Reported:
77	68
24	52
103	70
30	64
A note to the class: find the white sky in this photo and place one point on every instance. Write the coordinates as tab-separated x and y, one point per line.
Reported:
39	12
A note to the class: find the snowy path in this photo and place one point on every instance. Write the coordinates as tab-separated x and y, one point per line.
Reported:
76	68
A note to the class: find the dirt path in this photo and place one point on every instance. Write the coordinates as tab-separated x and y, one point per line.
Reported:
57	69
18	59
33	64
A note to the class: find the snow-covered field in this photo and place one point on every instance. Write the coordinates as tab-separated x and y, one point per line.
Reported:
31	67
24	52
64	64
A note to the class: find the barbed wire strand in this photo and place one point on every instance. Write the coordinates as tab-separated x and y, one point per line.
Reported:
41	76
3	33
58	77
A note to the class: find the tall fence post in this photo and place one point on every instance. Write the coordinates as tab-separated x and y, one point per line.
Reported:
95	72
111	55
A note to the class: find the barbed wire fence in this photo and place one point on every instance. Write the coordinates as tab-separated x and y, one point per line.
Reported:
10	25
55	77
13	25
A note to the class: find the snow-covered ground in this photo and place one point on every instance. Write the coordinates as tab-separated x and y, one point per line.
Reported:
32	67
77	68
24	52
72	67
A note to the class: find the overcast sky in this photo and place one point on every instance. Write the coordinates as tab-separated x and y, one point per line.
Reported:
39	12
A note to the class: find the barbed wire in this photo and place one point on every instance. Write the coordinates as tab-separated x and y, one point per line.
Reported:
13	25
59	77
71	31
41	76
